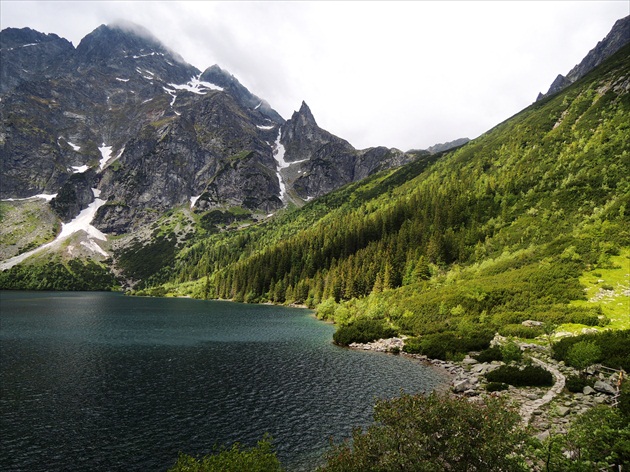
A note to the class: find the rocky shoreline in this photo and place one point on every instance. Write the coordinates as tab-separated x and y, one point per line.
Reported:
547	410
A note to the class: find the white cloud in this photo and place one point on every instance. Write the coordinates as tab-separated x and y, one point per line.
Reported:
400	74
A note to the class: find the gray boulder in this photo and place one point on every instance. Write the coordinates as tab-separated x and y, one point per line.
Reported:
604	387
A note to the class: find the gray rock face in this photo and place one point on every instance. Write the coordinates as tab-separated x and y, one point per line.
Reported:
558	84
604	387
330	162
618	37
74	195
441	147
230	84
155	132
27	55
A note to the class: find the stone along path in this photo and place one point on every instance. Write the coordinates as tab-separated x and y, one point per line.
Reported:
528	408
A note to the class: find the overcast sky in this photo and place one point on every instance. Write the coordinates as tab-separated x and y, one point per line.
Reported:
398	74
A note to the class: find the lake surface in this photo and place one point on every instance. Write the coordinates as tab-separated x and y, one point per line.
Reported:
103	382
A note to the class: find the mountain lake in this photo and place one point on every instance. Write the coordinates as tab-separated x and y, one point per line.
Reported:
105	382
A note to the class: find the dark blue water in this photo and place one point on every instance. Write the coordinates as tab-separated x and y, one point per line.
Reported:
104	382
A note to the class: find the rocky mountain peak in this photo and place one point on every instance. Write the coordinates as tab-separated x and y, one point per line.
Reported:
20	37
230	84
304	114
26	54
617	38
121	40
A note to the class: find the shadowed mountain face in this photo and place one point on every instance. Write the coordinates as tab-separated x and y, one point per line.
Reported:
152	132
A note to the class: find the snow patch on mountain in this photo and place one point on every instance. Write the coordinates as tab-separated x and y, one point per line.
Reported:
106	153
197	86
45	196
79	169
82	222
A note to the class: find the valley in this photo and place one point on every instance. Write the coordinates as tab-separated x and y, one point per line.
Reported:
126	169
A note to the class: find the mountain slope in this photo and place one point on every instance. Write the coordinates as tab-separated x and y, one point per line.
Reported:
494	233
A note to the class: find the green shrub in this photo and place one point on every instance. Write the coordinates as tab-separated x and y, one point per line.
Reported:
490	354
624	400
511	352
583	354
362	331
614	346
261	458
529	376
404	437
496	386
412	346
520	331
448	345
576	383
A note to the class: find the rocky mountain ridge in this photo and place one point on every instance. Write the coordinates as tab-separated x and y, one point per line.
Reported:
617	38
124	118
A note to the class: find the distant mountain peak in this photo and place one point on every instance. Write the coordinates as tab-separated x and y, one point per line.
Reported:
441	147
617	38
133	28
122	39
304	116
16	37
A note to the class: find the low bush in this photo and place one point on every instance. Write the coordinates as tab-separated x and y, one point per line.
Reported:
614	347
412	346
448	345
520	331
576	383
496	386
261	458
511	352
624	400
362	331
490	354
529	376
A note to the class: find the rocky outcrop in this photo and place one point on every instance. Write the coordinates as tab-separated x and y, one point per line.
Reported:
618	37
327	162
27	55
394	345
75	195
442	147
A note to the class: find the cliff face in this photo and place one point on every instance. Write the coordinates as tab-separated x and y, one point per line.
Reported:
326	162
